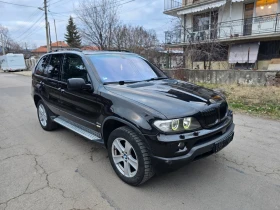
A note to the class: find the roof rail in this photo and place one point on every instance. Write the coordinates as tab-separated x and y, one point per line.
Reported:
66	49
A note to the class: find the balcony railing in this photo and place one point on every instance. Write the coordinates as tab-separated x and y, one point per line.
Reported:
252	27
174	4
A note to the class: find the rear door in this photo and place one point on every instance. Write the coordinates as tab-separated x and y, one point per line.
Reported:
39	79
51	84
79	106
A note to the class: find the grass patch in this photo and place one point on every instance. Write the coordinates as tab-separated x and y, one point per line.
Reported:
255	100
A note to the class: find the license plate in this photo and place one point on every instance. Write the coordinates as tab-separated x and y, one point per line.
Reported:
221	144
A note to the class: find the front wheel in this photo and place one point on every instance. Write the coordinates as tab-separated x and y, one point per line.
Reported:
129	156
44	117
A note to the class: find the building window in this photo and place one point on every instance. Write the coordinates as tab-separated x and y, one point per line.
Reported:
201	21
266	7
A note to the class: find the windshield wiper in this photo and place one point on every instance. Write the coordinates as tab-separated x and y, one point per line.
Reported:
156	78
120	82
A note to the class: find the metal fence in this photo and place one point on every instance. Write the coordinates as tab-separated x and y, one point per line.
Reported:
174	4
171	4
268	24
30	63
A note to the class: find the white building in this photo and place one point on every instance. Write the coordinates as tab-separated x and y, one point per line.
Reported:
249	28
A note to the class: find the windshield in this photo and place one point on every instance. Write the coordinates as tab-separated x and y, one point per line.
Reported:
120	67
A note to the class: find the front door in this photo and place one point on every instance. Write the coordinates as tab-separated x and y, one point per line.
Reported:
79	106
248	19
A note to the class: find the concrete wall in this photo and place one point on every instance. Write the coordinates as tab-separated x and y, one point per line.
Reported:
246	77
217	65
224	65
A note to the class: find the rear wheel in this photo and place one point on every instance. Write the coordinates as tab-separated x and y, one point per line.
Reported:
44	117
129	156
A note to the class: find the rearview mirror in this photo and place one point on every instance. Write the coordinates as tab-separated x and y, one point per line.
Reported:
78	84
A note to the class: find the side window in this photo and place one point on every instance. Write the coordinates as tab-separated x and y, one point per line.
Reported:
40	68
73	67
53	69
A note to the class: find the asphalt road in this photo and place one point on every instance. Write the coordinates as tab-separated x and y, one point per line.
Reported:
60	170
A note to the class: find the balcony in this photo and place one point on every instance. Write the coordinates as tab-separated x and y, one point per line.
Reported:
242	29
176	4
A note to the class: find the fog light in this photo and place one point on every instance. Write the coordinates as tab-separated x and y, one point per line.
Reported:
181	145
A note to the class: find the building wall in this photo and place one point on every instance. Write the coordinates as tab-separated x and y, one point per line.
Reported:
263	65
223	65
217	65
247	77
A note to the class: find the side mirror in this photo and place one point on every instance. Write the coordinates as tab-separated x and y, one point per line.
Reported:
78	84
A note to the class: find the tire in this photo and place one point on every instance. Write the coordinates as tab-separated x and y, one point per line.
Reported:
47	124
138	151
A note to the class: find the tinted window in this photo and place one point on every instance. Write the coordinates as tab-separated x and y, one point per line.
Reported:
119	67
54	67
73	67
40	68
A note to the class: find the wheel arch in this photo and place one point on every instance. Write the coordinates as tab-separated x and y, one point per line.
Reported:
112	123
37	98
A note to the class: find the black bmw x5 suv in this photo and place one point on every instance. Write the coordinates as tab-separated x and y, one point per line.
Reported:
146	120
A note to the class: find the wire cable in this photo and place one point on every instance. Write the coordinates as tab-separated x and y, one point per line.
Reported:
31	26
20	5
96	6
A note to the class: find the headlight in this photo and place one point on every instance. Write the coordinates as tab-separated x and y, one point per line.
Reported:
177	125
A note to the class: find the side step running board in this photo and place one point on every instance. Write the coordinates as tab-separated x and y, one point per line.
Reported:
79	129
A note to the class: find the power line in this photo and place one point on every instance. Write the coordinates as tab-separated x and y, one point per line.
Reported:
60	13
35	31
30	27
56	2
35	13
21	5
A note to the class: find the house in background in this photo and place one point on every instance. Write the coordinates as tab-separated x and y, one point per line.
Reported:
249	29
59	45
55	46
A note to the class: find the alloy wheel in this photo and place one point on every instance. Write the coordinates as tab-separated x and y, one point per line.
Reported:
124	157
42	115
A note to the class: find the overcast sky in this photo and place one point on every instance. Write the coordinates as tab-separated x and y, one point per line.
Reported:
27	24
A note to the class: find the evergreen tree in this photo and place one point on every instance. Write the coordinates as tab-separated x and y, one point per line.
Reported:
72	35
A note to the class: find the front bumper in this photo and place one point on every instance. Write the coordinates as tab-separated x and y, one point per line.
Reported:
165	154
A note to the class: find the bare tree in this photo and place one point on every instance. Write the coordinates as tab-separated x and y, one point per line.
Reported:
8	43
100	26
98	19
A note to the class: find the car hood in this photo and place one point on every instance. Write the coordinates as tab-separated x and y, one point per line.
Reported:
172	98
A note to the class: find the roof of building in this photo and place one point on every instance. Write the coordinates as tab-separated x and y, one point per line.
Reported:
60	44
43	49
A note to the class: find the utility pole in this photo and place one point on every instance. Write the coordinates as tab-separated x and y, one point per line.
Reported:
3	45
50	36
55	32
47	25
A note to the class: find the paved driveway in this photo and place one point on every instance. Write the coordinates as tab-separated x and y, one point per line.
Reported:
60	170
